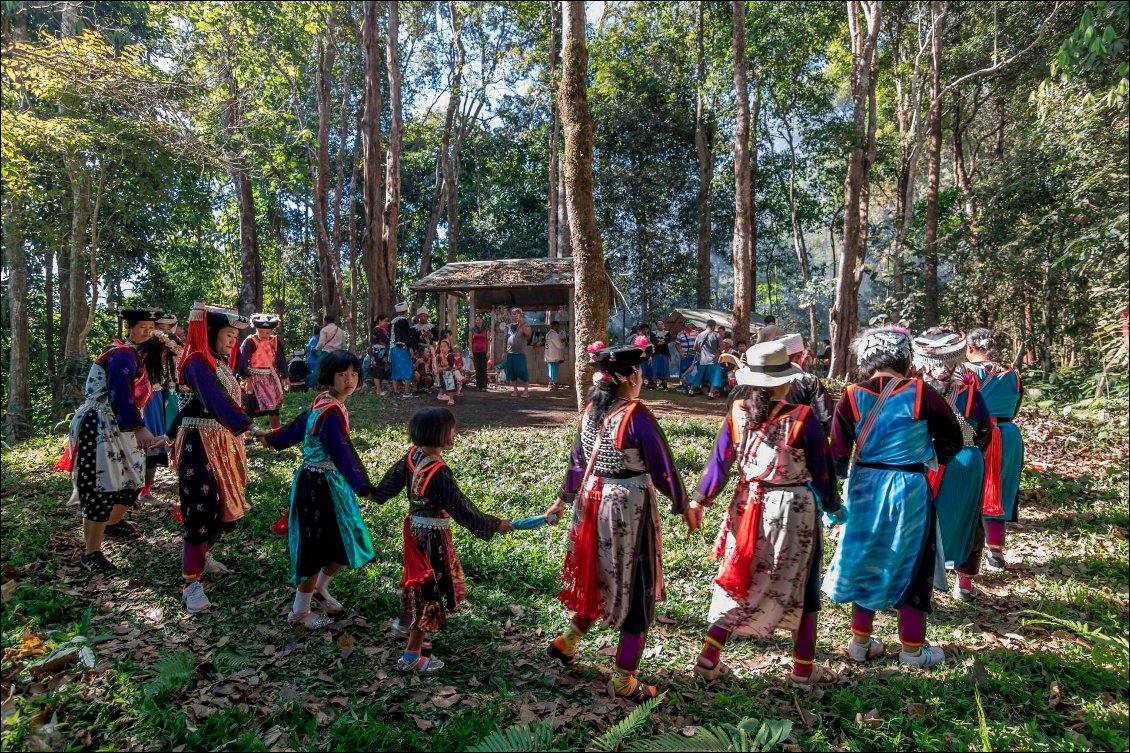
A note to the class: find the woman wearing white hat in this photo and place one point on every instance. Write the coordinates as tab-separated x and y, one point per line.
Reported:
770	541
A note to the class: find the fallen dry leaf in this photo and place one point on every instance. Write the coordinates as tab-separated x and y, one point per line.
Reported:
871	719
1053	695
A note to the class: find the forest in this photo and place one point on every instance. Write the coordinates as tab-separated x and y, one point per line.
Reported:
835	165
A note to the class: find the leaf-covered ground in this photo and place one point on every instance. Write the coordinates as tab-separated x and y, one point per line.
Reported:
252	684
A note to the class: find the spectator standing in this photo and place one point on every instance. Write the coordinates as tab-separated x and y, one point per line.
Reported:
517	369
480	339
554	352
312	358
684	344
770	331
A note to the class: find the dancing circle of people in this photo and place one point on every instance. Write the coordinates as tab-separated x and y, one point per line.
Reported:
926	441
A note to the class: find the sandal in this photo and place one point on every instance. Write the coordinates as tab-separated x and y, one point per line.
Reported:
820	677
329	604
309	620
638	694
566	660
721	669
421	664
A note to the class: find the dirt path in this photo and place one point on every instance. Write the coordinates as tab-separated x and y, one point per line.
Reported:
544	408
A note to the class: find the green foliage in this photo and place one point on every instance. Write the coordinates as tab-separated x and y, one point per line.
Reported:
1109	647
628	726
171	675
1098	45
520	737
747	736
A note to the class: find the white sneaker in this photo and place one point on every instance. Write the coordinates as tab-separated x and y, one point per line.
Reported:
213	567
194	598
927	656
995	563
860	652
329	604
963	594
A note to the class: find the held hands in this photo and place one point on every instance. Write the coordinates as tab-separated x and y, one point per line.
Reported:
553	512
144	437
833	519
693	516
505	526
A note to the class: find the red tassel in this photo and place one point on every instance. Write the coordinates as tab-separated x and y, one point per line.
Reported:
736	572
581	593
934	480
196	344
991	502
417	570
66	463
280	526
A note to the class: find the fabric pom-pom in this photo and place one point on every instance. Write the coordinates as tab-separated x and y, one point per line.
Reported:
595	347
640	341
600	377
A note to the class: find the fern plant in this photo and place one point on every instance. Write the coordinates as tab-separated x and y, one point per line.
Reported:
171	674
517	738
748	736
1114	646
627	726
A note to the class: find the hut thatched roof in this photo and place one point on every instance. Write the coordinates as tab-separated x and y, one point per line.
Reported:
530	283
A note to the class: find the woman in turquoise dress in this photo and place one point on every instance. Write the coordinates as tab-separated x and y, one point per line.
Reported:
326	532
1002	390
895	426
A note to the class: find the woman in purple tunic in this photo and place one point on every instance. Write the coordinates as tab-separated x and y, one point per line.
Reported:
613	569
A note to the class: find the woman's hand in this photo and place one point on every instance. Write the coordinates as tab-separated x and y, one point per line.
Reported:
144	437
505	526
693	516
554	511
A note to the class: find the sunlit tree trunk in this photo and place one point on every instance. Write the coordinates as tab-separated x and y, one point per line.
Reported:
744	262
704	147
863	25
392	161
592	295
380	287
934	169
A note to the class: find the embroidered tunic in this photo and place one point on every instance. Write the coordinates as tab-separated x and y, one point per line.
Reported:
784	470
107	465
433	582
325	519
886	555
262	363
1002	392
208	452
631	461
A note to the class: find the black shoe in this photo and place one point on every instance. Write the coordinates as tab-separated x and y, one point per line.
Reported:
96	562
123	530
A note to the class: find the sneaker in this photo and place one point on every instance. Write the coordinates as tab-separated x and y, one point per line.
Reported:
859	652
422	664
123	530
214	567
309	620
194	598
694	393
926	656
96	562
147	499
995	563
963	594
329	604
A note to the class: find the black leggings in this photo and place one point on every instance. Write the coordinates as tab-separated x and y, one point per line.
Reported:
480	369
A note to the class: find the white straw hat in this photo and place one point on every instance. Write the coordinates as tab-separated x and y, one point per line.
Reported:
793	343
764	365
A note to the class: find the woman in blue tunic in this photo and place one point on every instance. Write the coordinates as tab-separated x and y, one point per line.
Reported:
326	531
938	356
898	426
1002	391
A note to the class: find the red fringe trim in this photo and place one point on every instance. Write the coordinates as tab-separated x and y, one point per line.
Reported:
581	593
737	570
991	502
934	480
196	344
417	570
66	463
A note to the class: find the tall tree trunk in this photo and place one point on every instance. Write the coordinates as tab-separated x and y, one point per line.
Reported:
965	182
863	24
354	283
704	147
933	177
799	245
381	290
19	389
743	193
250	297
74	346
554	131
15	259
592	295
328	265
438	203
450	178
564	235
1046	315
392	162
